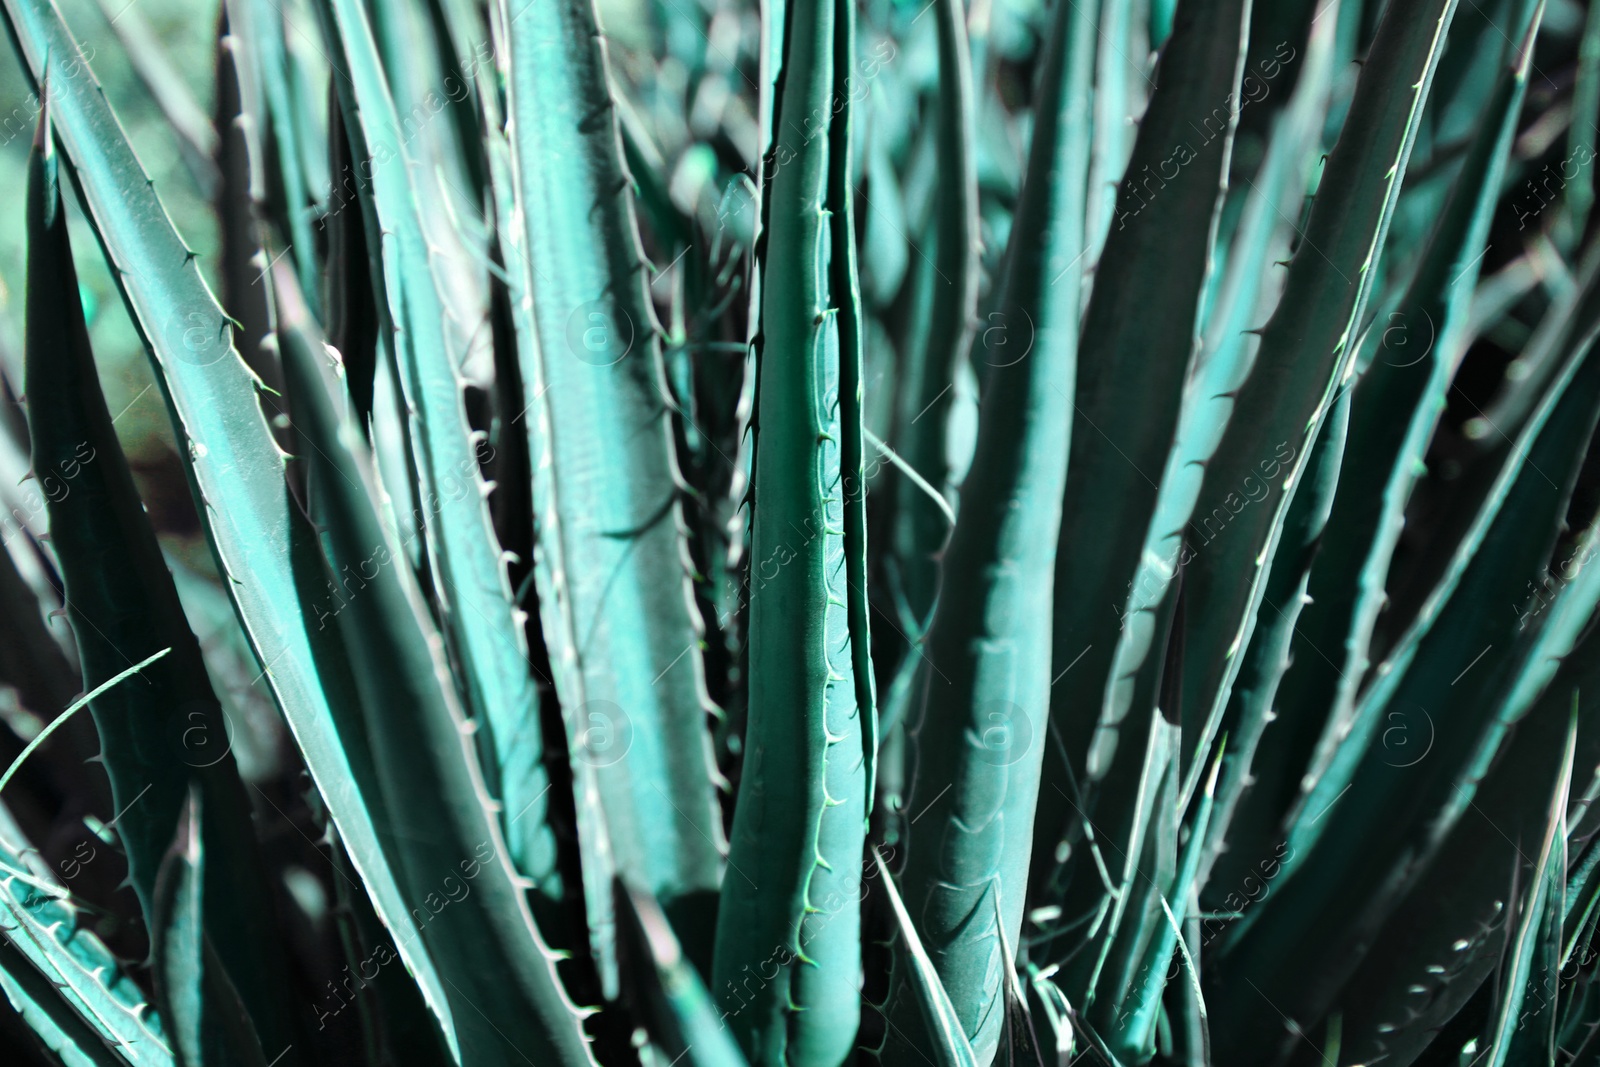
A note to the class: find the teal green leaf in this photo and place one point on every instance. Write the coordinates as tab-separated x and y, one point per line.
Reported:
845	282
611	561
1135	358
38	1002
790	901
1161	12
256	27
1256	694
1139	1014
482	626
164	730
82	702
1397	404
1307	351
201	1008
264	548
943	1023
679	1012
1250	286
1408	773
503	991
1531	968
1117	72
929	363
979	731
61	977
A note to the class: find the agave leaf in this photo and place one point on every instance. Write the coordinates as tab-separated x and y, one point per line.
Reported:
1388	802
433	123
166	730
1260	244
558	623
1307	350
258	27
1397	406
1522	481
845	282
504	992
1161	14
482	625
61	977
611	562
533	840
1142	843
790	904
264	548
952	308
1531	969
980	729
200	1006
74	1042
1142	1005
944	1026
1226	355
1448	934
1116	67
1191	997
239	193
1256	694
681	1015
1137	923
1257	249
1136	352
1579	189
197	139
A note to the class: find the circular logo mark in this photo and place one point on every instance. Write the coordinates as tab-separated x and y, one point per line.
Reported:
1407	736
1003	734
205	340
1407	338
599	335
201	734
605	733
1006	338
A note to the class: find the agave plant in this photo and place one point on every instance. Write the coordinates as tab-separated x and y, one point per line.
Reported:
809	533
